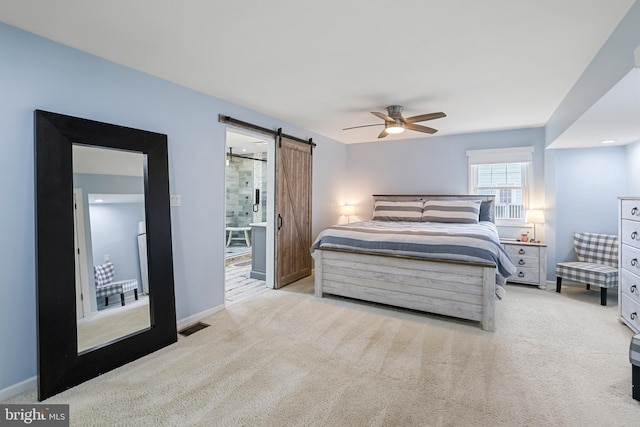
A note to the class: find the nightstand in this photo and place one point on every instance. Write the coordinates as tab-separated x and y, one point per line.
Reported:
531	260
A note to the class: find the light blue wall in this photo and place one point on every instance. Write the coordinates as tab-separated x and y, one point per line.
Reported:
633	175
614	60
431	165
106	184
588	184
39	74
114	233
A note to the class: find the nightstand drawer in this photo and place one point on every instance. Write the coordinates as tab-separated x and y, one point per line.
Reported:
525	275
516	251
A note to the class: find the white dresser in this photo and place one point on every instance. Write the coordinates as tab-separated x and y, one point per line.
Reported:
629	262
531	260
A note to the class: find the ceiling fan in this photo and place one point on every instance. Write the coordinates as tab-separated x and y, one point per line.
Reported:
394	122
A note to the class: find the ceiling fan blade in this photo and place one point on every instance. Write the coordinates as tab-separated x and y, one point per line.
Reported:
383	116
420	128
424	117
383	133
364	126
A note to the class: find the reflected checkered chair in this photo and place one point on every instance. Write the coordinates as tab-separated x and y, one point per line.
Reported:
597	263
105	286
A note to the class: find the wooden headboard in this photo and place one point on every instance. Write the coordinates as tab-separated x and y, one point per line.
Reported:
409	197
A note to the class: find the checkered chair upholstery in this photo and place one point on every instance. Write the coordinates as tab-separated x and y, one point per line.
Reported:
597	263
634	358
105	286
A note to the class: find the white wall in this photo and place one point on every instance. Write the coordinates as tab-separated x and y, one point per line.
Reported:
39	74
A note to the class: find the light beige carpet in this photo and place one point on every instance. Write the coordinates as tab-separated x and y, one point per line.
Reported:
286	358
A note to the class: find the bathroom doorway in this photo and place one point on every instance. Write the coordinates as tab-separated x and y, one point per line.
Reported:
248	238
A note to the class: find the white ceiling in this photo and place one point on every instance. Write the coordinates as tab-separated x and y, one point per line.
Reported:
324	65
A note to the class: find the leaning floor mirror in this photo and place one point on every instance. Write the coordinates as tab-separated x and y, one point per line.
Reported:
105	294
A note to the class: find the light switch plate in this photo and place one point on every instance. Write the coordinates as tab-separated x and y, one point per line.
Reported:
175	200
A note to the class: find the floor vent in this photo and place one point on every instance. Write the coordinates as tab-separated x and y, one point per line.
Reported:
192	329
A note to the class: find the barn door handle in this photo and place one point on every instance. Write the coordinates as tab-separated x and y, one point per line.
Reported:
279	221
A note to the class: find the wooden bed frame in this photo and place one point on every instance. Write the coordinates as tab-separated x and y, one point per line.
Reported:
458	289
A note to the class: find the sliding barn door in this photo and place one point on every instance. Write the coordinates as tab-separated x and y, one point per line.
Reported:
293	211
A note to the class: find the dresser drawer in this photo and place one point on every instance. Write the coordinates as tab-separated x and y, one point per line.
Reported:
630	233
630	209
526	275
630	312
630	285
630	259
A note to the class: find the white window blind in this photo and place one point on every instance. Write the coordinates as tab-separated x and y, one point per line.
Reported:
506	174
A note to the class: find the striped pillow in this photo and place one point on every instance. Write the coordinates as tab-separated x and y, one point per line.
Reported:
389	210
458	211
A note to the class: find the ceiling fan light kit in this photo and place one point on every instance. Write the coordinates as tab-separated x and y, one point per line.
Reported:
394	123
394	128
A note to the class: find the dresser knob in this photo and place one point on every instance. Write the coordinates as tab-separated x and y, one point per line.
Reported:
634	235
520	274
521	251
635	211
633	315
633	289
521	262
634	262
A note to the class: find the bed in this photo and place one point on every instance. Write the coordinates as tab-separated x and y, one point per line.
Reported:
437	254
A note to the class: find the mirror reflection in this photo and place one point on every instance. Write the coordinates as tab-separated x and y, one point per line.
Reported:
112	291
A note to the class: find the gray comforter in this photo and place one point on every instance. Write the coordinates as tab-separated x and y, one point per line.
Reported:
458	242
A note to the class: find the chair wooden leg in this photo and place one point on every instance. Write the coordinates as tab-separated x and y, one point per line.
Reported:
122	298
135	294
106	301
588	286
558	284
603	296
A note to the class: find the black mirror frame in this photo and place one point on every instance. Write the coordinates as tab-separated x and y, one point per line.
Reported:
59	365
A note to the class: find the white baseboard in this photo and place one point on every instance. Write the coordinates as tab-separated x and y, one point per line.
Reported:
16	389
198	316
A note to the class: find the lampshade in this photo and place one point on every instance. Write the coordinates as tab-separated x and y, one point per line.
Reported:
534	216
394	127
348	210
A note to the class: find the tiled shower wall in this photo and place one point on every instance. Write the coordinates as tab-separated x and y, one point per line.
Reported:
243	177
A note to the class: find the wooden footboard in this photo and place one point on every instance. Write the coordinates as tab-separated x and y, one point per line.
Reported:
449	288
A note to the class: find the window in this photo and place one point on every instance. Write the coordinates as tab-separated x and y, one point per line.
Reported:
504	173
